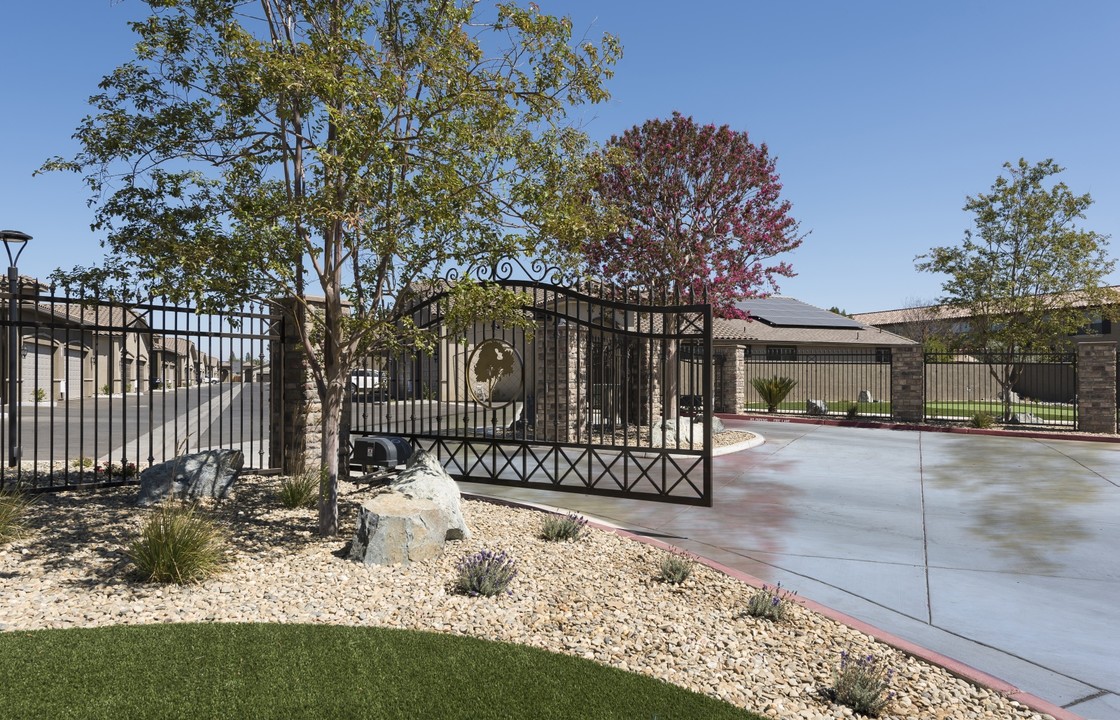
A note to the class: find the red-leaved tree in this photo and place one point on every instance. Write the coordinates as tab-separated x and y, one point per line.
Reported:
700	212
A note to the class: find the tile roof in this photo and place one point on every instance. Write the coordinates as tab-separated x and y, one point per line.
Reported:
945	312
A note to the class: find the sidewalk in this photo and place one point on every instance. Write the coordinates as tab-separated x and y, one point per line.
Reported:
1002	553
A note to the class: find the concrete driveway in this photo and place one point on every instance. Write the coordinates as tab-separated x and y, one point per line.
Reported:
1000	552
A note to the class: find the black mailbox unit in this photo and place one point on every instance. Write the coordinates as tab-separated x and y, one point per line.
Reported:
383	451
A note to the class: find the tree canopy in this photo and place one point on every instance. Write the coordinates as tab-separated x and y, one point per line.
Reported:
1028	273
347	147
700	213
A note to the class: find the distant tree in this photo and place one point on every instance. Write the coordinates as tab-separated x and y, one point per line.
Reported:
700	212
924	320
364	144
1027	273
838	311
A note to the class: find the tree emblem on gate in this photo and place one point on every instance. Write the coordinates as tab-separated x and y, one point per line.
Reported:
495	373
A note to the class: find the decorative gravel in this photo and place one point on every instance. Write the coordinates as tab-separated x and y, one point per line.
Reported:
597	598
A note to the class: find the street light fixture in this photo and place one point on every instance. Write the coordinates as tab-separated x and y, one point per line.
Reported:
13	239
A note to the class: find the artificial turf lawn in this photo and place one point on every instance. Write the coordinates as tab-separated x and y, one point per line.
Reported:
317	671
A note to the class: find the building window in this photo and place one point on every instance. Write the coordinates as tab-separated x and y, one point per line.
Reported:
882	354
781	352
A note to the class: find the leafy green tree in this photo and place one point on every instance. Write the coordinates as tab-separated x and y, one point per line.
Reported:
341	148
1028	273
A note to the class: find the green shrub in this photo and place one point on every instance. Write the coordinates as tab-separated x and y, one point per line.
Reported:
82	463
13	515
771	603
773	390
177	545
40	394
299	490
981	420
853	411
863	684
485	573
676	568
563	527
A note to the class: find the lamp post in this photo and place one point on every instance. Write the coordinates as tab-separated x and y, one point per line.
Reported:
18	240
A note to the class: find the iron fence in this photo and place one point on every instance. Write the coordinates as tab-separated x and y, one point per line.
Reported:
1036	388
105	389
841	383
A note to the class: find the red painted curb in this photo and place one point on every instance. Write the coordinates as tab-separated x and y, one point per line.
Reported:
1031	434
953	667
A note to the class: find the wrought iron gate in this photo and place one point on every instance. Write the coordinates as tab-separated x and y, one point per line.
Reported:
574	399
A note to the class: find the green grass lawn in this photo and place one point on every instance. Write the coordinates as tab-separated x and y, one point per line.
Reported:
1051	413
317	671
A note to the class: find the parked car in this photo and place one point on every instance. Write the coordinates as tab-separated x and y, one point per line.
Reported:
365	382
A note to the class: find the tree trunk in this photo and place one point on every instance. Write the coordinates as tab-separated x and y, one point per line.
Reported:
328	487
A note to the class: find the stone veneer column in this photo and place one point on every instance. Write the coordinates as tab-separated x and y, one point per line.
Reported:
295	412
1096	386
560	381
908	383
731	393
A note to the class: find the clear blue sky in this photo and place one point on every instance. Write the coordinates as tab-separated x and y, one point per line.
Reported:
883	115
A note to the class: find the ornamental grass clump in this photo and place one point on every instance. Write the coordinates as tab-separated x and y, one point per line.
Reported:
676	568
773	390
177	545
771	603
13	515
300	490
981	420
862	683
485	573
563	527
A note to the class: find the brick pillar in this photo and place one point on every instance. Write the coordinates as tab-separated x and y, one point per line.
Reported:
295	412
561	386
1096	386
732	388
908	383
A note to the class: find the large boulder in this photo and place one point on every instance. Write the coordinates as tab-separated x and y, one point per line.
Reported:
207	474
424	478
393	528
816	407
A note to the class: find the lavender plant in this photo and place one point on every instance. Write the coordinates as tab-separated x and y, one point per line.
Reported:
566	527
676	568
771	603
485	573
862	683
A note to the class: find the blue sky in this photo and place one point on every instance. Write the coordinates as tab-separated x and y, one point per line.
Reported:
883	115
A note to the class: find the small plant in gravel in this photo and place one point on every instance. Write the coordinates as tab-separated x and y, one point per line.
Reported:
82	463
563	527
177	545
676	568
771	603
981	420
300	490
485	573
862	683
13	515
112	469
852	413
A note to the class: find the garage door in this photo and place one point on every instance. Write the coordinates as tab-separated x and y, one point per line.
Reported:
74	373
36	369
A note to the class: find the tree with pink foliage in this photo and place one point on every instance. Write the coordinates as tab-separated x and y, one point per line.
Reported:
700	210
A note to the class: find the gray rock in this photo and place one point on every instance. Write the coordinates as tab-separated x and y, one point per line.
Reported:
717	425
393	528
424	478
816	407
865	396
1025	418
207	474
672	432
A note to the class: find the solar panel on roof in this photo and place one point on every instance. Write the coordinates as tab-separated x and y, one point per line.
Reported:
787	312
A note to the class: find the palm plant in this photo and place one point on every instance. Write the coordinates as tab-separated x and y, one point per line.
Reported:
773	390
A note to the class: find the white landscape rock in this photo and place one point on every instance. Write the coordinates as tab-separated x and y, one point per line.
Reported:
424	478
207	474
